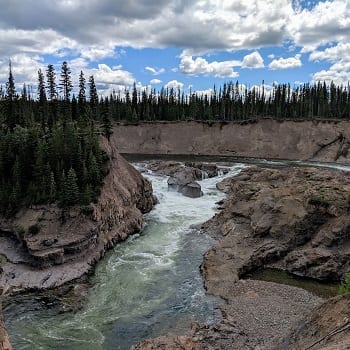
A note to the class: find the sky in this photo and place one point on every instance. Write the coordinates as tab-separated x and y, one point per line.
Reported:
186	44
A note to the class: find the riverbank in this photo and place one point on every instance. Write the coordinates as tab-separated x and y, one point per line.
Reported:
67	244
318	140
295	219
4	338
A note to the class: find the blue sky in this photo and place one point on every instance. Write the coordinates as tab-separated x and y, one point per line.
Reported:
186	44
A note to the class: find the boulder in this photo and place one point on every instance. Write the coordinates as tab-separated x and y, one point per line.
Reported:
192	190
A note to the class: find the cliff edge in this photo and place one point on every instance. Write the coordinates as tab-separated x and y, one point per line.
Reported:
318	140
66	244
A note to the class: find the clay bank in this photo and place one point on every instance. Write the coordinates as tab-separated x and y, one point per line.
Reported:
326	141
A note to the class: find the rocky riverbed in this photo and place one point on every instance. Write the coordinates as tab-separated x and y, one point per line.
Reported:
295	219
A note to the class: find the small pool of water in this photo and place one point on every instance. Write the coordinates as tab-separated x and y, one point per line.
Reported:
322	289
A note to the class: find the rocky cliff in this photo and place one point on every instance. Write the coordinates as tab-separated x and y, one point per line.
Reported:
266	138
295	219
69	243
4	339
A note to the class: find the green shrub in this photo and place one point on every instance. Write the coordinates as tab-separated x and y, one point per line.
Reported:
319	201
20	230
345	286
33	229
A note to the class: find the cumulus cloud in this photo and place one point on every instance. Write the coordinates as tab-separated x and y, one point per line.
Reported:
93	30
24	68
174	84
96	53
106	75
155	71
326	22
336	76
208	24
39	41
286	63
155	81
253	60
200	66
334	53
339	57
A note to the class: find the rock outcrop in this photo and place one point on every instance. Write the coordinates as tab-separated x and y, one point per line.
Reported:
67	244
183	177
184	181
4	338
326	328
320	140
294	219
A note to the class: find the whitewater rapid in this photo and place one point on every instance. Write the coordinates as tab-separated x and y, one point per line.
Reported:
147	286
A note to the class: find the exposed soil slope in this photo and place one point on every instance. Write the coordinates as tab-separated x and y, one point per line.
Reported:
266	138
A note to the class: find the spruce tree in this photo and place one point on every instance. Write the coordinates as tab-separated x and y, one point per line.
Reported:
10	100
66	81
51	82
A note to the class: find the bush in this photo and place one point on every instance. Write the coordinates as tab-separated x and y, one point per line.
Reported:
33	229
20	230
319	201
345	286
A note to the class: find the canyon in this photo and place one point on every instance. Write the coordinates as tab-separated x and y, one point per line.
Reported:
318	140
293	219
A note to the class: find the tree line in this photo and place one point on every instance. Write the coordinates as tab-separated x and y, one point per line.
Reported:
49	148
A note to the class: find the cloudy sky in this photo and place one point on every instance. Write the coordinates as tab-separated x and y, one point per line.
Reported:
179	43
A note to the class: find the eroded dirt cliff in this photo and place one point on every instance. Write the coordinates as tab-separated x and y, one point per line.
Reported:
70	242
266	138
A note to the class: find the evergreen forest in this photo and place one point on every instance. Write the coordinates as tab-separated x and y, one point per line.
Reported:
49	151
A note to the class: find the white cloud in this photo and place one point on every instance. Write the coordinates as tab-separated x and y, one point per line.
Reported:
334	53
106	75
208	24
339	56
174	84
200	66
37	41
326	22
286	63
155	81
338	77
97	53
155	71
253	60
24	68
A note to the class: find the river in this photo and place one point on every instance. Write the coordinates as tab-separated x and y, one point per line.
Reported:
147	286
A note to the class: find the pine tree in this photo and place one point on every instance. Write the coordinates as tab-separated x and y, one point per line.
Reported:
41	87
10	100
66	81
51	82
82	93
93	91
71	188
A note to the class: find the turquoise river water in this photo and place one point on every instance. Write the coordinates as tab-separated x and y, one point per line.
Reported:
144	287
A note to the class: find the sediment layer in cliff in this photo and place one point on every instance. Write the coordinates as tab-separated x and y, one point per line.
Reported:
70	242
266	138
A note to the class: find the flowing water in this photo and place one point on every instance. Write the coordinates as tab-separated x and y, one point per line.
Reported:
147	286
